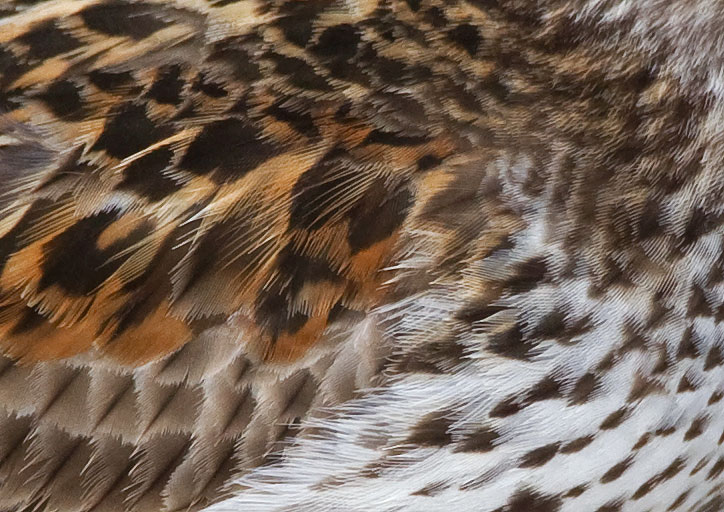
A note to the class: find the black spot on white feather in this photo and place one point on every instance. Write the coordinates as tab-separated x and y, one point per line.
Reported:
507	407
614	419
696	428
616	471
584	389
539	456
509	342
714	358
667	474
433	430
688	345
480	441
531	500
576	445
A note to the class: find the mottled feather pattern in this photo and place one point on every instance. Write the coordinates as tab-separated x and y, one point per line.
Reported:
386	255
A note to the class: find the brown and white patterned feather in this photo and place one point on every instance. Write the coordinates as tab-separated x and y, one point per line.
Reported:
361	255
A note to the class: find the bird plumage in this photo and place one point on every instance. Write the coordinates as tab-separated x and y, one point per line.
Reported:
361	255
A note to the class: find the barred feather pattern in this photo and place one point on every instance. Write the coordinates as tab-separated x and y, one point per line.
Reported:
380	255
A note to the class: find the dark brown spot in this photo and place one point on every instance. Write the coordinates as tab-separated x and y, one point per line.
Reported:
28	321
642	387
614	419
551	325
700	465
432	430
243	66
509	342
606	363
12	68
377	216
478	311
300	120
610	507
649	221
298	18
414	4
300	73
72	260
496	86
539	456
527	276
583	389
715	397
633	341
643	441
435	17
662	362
432	489
698	305
700	223
716	469
547	389
665	432
480	441
167	87
315	187
229	149
436	357
670	472
576	491
109	80
395	139
428	162
615	472
128	131
679	501
530	500
63	98
696	428
507	407
222	3
116	18
577	444
714	358
47	40
467	37
145	177
338	42
686	385
213	89
687	346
